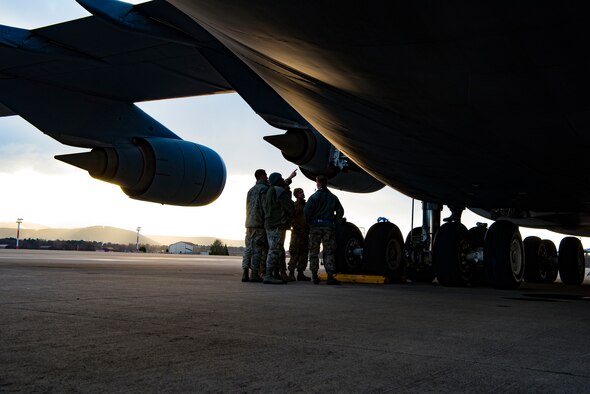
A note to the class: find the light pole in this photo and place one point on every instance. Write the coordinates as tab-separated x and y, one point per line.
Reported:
18	222
137	242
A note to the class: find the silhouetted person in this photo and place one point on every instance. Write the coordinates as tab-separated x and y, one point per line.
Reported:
299	245
322	211
256	246
278	214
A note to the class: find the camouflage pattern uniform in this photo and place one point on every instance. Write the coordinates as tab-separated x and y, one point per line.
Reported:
276	241
299	246
278	214
322	211
256	246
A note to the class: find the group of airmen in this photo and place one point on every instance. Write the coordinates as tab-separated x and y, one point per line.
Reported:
270	212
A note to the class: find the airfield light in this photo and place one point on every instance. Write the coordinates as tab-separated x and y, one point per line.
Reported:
18	222
137	242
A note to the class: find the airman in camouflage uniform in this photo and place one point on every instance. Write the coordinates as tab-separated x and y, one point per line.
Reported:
322	211
299	246
278	214
256	246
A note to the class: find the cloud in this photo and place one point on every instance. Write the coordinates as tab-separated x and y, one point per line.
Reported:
22	146
224	123
76	200
30	14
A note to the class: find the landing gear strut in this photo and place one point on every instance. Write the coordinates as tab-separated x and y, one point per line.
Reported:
418	245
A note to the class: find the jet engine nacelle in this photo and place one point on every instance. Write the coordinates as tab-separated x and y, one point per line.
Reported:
350	181
162	170
315	156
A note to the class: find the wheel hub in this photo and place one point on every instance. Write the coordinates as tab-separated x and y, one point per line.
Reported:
516	257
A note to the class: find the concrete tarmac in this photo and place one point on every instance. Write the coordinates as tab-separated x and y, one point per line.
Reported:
105	322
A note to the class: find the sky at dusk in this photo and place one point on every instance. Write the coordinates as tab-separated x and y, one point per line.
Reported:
41	190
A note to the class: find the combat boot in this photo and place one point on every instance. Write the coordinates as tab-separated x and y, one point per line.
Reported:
331	280
283	275
270	279
245	276
292	276
301	276
315	278
255	277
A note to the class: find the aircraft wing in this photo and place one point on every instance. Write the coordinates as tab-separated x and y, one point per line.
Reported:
78	81
92	56
4	111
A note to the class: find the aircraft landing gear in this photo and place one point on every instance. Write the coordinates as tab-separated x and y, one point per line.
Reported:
541	260
380	253
418	246
350	243
417	256
571	261
451	248
504	255
383	253
455	255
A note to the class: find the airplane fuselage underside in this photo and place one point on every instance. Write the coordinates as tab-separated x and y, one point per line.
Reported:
460	103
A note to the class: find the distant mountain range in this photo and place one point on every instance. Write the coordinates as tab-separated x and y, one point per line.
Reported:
103	234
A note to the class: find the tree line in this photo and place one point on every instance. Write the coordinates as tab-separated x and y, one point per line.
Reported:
217	248
35	243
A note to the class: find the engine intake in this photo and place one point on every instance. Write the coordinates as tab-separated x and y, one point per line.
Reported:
162	170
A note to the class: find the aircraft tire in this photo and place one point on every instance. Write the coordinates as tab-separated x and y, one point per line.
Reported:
534	253
504	255
539	256
549	274
348	238
571	261
451	245
383	253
